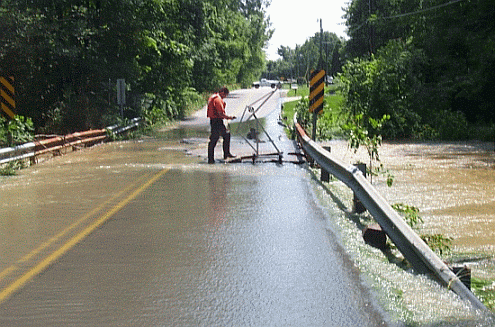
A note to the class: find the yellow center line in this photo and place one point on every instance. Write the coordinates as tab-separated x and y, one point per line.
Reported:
9	290
53	239
80	221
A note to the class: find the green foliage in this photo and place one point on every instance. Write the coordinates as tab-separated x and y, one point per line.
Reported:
386	84
446	70
3	132
367	132
297	63
67	55
409	213
10	168
329	119
451	125
16	131
381	170
154	114
305	118
231	51
438	242
191	100
485	291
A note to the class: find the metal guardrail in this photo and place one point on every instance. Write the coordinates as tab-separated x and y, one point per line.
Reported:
116	129
414	249
55	144
20	152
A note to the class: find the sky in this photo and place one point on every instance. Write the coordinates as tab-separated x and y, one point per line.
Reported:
295	21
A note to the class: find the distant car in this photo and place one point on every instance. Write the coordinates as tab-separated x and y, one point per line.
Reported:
265	82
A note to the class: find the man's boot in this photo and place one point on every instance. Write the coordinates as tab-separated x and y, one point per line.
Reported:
226	147
211	152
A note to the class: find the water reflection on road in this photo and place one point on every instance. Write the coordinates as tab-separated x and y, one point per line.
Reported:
239	245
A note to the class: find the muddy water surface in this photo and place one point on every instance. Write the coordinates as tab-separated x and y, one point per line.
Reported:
43	200
453	185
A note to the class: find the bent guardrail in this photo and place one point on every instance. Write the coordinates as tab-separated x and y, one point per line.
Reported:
55	144
414	249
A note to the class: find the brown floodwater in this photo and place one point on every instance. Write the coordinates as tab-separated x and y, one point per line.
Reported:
452	184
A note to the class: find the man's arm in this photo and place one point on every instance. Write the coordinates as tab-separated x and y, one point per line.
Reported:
218	104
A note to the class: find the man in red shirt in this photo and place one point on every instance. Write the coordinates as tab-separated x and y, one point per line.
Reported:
216	113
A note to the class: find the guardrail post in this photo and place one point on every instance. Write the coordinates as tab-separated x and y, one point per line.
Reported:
463	273
325	176
358	206
375	236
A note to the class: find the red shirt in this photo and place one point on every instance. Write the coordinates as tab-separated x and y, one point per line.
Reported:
216	107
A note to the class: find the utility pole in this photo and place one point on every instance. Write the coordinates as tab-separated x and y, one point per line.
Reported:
320	61
371	27
317	89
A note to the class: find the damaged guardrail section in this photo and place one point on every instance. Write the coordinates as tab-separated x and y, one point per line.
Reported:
57	143
414	249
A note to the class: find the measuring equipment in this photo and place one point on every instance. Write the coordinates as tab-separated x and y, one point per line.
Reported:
252	138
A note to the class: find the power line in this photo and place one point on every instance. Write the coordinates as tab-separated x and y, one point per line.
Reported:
358	28
422	10
409	13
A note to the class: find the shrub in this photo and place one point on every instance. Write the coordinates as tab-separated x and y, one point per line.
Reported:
16	131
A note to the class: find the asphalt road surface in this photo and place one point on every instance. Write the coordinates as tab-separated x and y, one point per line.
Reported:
136	234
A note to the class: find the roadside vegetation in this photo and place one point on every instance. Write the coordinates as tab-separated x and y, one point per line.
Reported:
66	55
417	69
485	290
428	65
329	121
16	131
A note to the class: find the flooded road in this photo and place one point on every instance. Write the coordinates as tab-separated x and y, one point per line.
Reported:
204	247
145	233
137	233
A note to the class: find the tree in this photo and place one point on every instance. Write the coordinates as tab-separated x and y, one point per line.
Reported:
457	72
384	86
298	62
67	54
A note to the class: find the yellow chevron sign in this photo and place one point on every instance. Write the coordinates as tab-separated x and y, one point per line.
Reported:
7	91
316	91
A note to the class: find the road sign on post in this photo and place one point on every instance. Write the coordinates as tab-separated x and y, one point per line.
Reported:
7	92
316	94
316	89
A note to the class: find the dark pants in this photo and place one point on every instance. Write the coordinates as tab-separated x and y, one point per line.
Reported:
218	129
